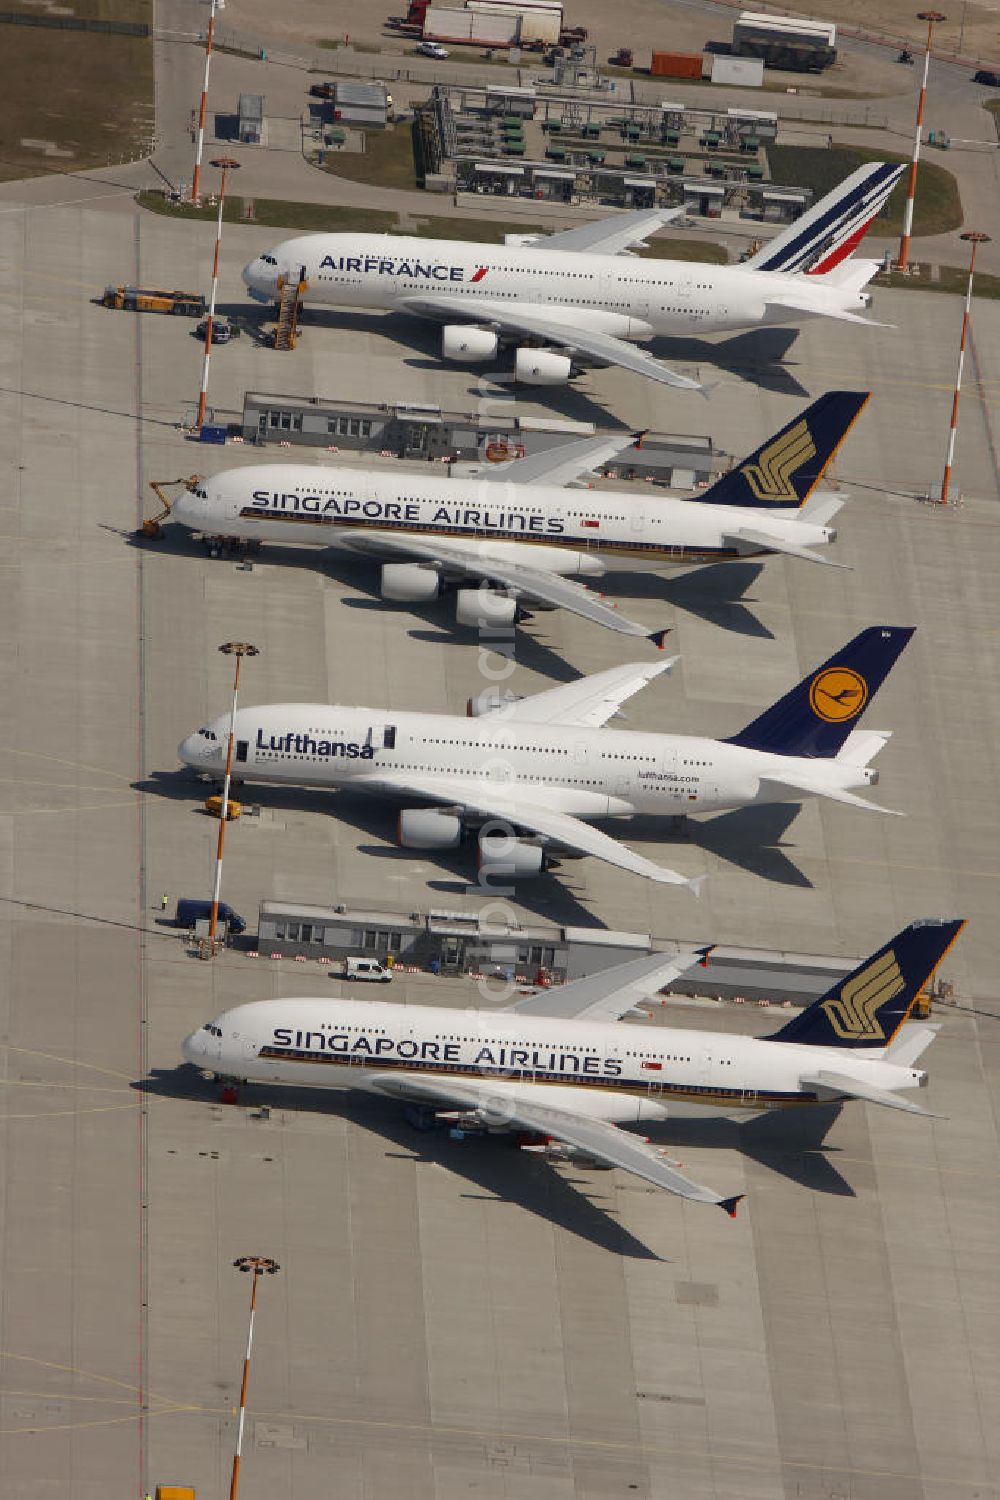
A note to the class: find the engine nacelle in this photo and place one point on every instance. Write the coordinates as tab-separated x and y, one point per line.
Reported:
541	367
409	583
426	828
490	701
459	341
509	858
484	609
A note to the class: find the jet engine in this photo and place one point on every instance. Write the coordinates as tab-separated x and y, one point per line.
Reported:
459	341
426	828
541	367
509	858
490	701
409	583
483	608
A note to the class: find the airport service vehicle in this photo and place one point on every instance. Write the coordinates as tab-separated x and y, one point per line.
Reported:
222	330
527	774
561	1064
191	911
368	970
431	49
574	299
143	299
513	537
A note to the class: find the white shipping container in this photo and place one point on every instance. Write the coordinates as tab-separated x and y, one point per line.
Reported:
740	72
540	26
493	30
442	23
788	26
520	5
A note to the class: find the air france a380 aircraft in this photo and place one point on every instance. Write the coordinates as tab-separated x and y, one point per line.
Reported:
560	1065
575	294
524	537
536	768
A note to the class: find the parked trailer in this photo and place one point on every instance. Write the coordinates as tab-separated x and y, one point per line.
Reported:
143	299
676	65
785	42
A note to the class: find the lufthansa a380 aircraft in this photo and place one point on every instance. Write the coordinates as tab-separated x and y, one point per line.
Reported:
536	768
575	294
560	1064
521	534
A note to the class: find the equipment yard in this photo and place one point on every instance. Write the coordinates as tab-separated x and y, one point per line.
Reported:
457	1317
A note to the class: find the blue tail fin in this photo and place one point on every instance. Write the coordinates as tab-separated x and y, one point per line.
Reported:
816	717
783	472
868	1007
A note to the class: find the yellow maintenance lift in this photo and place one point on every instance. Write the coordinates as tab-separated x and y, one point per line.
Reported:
152	527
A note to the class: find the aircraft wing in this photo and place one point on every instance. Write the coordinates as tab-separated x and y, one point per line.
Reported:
747	535
597	1138
589	702
612	236
560	465
796	783
611	993
528	322
474	560
842	1083
532	811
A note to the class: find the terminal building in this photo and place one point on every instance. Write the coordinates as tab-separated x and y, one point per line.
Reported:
456	942
411	430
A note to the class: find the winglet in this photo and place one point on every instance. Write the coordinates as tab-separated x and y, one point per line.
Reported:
658	637
731	1204
706	953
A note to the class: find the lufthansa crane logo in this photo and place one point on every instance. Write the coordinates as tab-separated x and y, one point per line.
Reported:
837	694
853	1013
771	478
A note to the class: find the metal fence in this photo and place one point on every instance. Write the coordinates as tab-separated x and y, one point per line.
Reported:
74	23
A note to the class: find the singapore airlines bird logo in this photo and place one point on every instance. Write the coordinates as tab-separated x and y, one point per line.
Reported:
837	694
770	479
853	1013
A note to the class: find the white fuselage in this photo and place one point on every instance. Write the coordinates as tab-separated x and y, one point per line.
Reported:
568	531
590	773
612	1071
626	296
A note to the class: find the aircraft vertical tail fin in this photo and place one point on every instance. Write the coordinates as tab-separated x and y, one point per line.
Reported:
783	472
818	715
868	1007
834	226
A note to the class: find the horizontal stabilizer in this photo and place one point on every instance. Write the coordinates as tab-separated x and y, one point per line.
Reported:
752	540
831	793
816	309
842	1083
909	1043
821	506
863	745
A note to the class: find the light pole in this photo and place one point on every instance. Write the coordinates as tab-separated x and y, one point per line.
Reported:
931	17
225	164
975	237
257	1265
215	5
239	649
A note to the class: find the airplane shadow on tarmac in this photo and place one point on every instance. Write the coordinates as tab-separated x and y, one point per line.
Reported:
751	838
756	356
583	1203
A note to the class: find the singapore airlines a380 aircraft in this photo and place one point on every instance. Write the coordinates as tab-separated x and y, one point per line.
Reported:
527	774
523	535
560	1065
572	299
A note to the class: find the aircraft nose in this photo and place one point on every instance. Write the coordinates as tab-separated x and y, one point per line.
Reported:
195	750
193	1048
185	510
260	279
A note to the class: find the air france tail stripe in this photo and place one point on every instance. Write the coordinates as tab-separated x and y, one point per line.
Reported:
863	202
843	250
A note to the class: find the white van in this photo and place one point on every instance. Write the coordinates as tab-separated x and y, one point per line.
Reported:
368	969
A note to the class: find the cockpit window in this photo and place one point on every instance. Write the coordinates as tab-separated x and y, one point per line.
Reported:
269	260
212	1029
208	734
